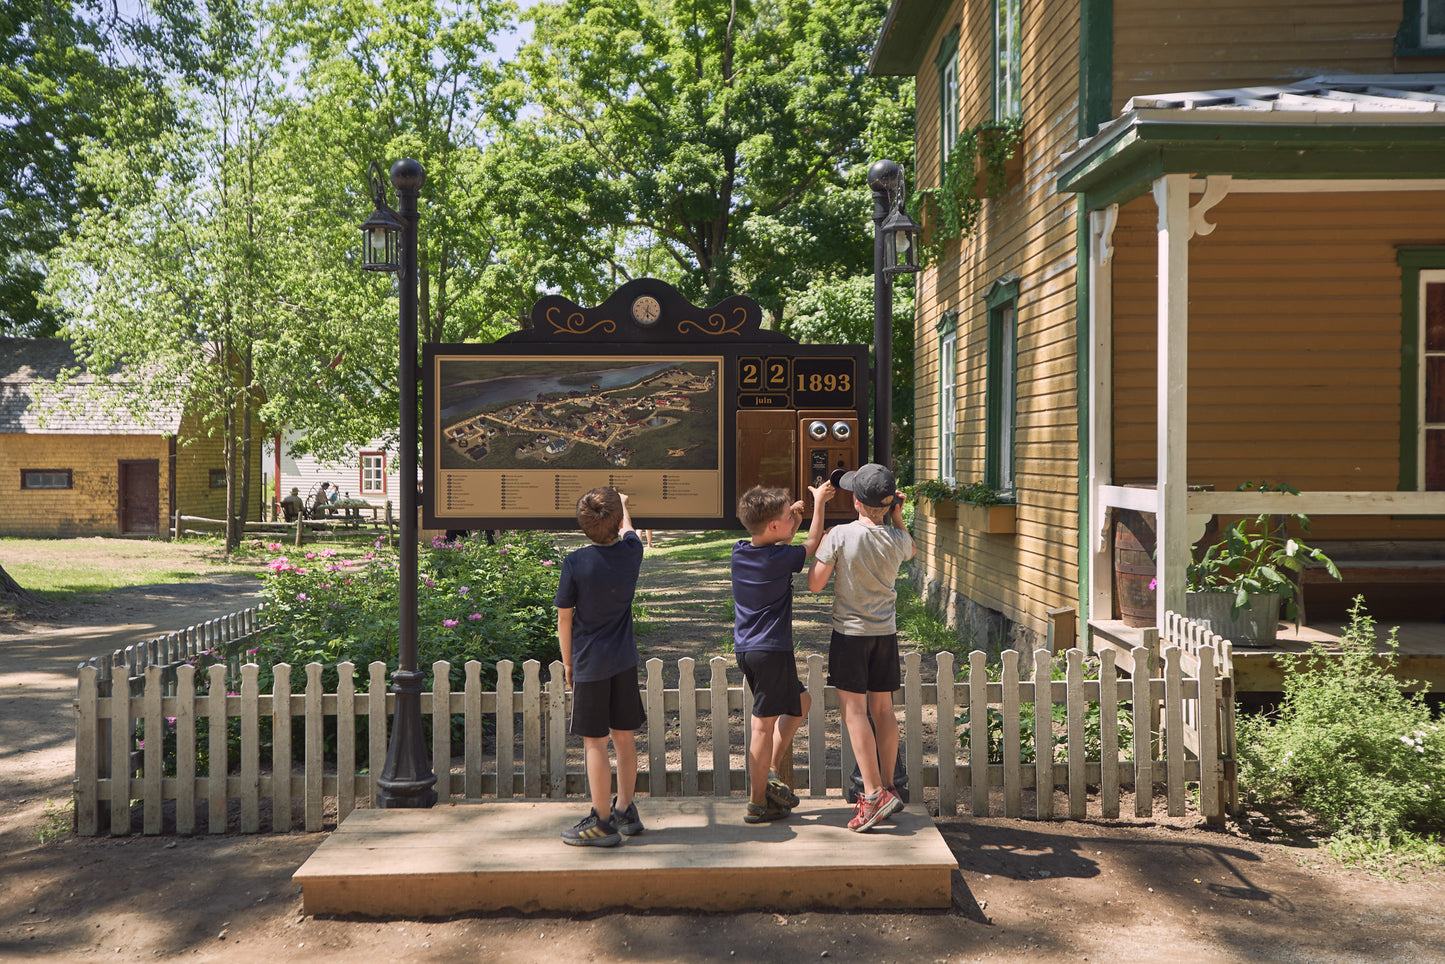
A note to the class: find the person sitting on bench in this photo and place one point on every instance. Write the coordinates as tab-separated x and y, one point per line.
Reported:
292	505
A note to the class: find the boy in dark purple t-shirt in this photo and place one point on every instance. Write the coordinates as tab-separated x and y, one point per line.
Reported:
599	662
762	570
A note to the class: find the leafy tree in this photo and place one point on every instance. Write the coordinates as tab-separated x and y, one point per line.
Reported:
380	80
724	138
171	276
60	90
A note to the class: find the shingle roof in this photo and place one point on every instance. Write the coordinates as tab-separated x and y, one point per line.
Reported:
89	405
1340	94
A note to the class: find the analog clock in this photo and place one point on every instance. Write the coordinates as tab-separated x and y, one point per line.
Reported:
646	310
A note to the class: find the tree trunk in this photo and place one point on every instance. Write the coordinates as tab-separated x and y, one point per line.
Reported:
10	589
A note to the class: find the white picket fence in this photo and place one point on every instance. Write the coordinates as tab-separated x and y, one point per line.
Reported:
1185	690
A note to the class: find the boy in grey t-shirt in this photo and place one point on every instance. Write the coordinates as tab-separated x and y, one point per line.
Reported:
863	654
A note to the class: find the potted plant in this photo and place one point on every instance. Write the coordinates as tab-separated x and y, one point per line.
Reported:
1237	585
976	505
983	162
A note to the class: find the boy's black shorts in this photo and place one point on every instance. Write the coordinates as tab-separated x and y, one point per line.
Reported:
600	706
864	664
773	675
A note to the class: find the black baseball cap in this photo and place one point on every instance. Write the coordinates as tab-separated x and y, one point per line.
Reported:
872	484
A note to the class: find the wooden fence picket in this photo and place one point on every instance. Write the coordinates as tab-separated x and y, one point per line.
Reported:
1012	706
376	726
472	730
186	750
978	733
1077	704
1043	736
441	728
151	769
87	762
817	727
314	803
656	731
281	748
345	740
947	737
557	732
251	748
1108	735
1143	703
218	748
718	720
687	722
506	732
913	716
1173	732
532	729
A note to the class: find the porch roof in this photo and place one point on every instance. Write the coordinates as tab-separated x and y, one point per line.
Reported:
1331	127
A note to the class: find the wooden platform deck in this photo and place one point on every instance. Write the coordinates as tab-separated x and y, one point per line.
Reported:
695	854
1421	657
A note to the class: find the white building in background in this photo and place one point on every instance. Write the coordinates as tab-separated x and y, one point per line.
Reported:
370	474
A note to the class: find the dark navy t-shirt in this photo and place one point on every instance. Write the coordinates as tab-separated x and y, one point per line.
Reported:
763	595
597	583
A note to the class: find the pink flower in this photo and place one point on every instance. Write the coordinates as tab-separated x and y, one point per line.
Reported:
546	562
280	564
449	623
430	583
463	591
273	546
475	616
302	597
1153	584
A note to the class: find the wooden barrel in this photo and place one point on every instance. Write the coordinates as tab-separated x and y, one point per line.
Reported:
1134	544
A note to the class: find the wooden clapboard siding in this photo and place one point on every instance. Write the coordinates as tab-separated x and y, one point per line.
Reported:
1162	45
1294	345
1028	234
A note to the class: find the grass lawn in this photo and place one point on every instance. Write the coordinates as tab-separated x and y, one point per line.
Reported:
57	570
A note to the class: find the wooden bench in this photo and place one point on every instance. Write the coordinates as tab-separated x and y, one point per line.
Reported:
1376	562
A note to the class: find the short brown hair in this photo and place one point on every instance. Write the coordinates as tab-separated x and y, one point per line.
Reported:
760	505
599	513
875	513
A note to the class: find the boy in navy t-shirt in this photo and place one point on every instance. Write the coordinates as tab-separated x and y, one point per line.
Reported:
599	662
763	569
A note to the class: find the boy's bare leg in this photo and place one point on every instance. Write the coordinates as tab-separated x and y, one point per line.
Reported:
860	736
885	729
599	773
760	754
625	742
787	728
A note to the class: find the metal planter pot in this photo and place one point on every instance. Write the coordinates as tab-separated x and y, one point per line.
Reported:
1254	625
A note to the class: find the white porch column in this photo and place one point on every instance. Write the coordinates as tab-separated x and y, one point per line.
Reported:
1171	195
1101	405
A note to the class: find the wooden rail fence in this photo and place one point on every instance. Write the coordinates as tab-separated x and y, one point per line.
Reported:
1184	690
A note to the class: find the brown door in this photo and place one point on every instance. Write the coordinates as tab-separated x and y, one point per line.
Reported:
140	487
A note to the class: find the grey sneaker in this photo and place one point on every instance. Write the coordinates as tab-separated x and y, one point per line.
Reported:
627	822
591	831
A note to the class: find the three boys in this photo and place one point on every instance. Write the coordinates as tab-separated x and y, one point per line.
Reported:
594	629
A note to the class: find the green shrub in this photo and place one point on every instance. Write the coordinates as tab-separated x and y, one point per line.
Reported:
474	601
1363	757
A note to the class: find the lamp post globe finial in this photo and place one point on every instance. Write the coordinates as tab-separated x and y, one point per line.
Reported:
885	175
408	175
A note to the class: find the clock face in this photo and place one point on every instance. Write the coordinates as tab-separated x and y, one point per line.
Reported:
646	310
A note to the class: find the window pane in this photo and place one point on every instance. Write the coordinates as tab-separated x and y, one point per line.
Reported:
948	407
1007	403
948	83
40	479
1434	25
1435	389
1435	313
1435	459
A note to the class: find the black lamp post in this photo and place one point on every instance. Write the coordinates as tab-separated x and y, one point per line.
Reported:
407	779
894	252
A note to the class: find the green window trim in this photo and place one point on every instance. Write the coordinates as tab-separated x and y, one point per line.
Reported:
1412	261
947	105
1001	300
947	329
1410	39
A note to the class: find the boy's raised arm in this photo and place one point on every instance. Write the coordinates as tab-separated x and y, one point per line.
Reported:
821	495
626	517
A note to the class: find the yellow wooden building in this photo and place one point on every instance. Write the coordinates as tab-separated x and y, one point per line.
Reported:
82	463
1241	282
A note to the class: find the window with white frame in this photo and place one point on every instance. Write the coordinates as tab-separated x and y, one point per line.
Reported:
1430	438
1007	59
1422	29
373	473
45	479
947	64
1432	23
948	398
1001	395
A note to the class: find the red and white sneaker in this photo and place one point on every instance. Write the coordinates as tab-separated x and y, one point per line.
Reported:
872	809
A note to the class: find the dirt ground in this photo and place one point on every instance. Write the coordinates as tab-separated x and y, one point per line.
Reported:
1127	890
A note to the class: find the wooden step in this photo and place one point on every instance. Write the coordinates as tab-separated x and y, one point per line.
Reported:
695	854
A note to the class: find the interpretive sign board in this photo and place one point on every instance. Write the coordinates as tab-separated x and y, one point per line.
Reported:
682	421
